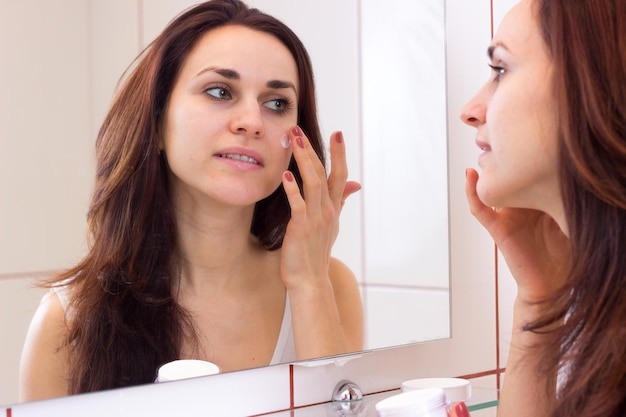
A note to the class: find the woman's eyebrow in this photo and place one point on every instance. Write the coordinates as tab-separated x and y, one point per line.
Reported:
224	72
281	84
492	48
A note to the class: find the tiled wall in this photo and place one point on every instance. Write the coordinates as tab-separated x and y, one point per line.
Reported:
474	349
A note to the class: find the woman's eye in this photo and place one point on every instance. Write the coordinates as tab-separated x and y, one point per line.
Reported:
219	93
498	70
279	105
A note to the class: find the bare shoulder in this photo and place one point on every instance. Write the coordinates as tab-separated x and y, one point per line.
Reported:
341	275
348	299
43	364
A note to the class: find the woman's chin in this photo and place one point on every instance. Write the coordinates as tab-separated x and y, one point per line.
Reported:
488	194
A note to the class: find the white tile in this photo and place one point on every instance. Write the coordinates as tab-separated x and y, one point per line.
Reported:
46	160
397	316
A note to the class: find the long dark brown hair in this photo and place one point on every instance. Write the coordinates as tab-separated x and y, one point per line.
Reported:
122	319
587	43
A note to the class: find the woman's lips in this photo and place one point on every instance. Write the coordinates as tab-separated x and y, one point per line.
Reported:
240	157
483	146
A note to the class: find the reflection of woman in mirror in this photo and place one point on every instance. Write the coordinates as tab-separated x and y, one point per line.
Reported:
552	126
212	218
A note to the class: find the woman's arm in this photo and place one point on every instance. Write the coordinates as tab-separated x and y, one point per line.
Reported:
42	373
328	320
325	301
537	253
526	391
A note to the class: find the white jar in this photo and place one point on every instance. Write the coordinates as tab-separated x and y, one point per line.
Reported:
185	368
455	389
420	403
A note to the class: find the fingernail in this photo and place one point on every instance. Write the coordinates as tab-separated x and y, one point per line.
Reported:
339	137
461	410
285	141
299	142
289	176
296	131
466	169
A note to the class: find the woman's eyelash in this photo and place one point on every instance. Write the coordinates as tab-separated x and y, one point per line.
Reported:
218	92
279	105
498	70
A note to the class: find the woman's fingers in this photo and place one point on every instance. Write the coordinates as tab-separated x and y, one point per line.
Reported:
459	409
338	187
296	202
311	169
350	188
339	169
483	213
319	191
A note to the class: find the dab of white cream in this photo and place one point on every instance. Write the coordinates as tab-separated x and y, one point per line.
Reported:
285	141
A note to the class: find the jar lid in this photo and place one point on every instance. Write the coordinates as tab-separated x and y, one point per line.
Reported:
455	389
185	368
411	403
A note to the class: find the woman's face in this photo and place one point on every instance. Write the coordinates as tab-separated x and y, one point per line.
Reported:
515	116
234	100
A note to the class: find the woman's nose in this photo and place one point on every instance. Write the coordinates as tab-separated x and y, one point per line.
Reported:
474	111
247	118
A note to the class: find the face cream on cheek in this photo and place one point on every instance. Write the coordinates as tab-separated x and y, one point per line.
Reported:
285	141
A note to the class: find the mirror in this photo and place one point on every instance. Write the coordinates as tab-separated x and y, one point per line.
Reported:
380	75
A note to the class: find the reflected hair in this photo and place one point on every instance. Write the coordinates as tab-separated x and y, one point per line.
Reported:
587	44
124	321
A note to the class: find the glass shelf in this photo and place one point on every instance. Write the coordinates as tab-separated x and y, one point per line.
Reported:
482	398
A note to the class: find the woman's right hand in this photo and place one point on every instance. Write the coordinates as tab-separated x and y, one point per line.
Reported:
534	247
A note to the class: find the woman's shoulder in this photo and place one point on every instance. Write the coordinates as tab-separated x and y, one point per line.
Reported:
348	298
42	370
339	272
343	280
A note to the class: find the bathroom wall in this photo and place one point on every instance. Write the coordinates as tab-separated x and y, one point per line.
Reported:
481	289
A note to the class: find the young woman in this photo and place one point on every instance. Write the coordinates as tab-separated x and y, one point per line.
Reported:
551	123
212	218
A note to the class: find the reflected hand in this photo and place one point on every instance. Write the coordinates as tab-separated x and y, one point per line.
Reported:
314	222
533	245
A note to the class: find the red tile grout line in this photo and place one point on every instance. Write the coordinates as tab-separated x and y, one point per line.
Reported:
496	372
497	316
291	387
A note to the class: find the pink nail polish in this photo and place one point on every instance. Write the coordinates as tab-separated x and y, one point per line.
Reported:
289	176
339	137
296	131
299	142
461	410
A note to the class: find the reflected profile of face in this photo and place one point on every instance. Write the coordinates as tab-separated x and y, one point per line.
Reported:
231	106
515	117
